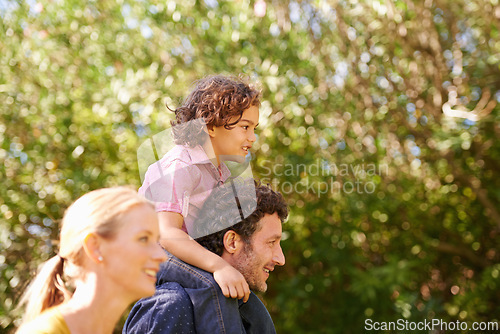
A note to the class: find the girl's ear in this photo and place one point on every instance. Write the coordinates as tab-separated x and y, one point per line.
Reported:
232	242
211	131
92	247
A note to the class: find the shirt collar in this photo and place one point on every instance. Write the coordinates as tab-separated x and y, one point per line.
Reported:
199	156
226	173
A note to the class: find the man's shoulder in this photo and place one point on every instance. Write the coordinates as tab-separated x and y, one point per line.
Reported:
170	292
256	317
169	310
188	276
166	293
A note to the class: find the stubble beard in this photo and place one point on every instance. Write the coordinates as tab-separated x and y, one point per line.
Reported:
250	269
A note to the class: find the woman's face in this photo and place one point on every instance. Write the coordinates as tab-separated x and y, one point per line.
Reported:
133	257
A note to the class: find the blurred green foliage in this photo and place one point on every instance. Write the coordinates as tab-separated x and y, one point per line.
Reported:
394	205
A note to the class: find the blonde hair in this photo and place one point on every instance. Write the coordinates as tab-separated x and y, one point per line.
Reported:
97	212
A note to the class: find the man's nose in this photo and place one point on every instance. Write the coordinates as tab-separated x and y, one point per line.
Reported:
279	257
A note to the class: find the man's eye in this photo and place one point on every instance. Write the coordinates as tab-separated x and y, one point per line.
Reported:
144	239
245	127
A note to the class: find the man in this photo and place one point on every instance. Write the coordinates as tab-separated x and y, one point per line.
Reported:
188	300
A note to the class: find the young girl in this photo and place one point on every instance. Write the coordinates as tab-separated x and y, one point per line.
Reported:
216	123
109	249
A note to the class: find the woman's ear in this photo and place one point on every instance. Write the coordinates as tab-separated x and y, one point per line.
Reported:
232	242
92	247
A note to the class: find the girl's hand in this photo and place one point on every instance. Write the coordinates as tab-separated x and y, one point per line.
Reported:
232	283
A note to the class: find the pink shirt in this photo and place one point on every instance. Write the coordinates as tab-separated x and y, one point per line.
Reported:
181	181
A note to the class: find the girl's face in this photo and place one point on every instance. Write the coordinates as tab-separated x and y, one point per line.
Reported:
234	144
133	257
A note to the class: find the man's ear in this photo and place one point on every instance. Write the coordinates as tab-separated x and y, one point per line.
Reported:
232	242
92	247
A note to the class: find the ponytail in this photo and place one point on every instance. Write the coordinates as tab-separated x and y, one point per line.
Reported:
46	290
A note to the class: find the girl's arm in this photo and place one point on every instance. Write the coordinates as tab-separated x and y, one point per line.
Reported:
181	245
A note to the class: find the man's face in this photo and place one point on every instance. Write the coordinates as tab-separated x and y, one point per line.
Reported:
258	258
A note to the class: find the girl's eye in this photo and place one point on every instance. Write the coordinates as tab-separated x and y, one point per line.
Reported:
144	239
245	127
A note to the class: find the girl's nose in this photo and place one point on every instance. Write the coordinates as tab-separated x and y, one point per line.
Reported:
252	137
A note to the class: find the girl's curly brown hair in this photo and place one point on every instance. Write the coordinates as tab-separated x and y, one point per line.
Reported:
219	209
214	101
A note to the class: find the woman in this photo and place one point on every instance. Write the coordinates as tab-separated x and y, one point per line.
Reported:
109	250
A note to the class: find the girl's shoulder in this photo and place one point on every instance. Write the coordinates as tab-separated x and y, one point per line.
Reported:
182	155
178	153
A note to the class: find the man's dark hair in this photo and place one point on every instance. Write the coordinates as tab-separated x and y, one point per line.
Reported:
220	208
213	102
